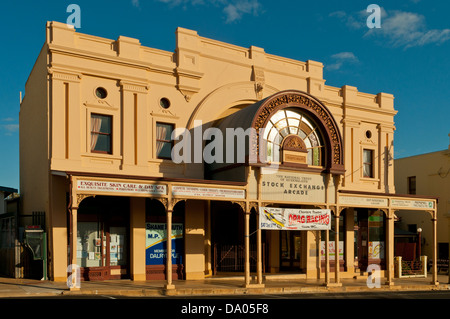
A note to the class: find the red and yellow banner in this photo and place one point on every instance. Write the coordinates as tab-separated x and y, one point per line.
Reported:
294	219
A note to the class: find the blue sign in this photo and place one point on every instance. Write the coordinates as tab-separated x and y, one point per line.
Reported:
156	244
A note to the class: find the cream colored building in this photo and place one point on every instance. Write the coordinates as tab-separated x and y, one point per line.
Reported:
95	155
427	174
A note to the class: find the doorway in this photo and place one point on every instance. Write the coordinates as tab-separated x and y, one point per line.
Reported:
102	238
370	233
290	249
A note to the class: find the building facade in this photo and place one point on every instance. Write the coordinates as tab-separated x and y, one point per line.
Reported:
99	157
427	174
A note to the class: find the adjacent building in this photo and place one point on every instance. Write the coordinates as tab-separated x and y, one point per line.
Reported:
247	161
427	174
8	230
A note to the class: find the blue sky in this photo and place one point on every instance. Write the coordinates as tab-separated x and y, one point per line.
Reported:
409	56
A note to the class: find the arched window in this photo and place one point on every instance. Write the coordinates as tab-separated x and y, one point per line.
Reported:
287	122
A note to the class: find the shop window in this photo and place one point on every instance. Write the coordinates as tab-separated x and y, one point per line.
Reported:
164	141
443	250
377	234
412	185
368	163
102	237
101	133
89	244
332	239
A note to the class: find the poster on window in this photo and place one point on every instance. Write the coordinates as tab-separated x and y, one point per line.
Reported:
294	219
332	250
376	249
156	243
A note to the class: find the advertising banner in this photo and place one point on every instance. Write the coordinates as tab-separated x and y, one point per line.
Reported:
115	187
156	243
294	219
207	192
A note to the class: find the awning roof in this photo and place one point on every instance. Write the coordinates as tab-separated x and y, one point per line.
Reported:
7	190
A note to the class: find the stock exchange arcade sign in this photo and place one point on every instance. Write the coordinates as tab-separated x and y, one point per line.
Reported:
293	187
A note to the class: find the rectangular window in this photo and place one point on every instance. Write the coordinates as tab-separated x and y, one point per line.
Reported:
412	185
101	133
368	163
164	141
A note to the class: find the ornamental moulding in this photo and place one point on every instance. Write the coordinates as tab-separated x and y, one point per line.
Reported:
318	112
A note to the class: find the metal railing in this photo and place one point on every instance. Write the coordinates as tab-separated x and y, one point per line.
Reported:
411	268
231	258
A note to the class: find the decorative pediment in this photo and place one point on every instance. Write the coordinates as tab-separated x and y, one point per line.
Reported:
294	143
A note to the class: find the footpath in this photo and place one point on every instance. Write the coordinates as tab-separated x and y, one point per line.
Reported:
234	286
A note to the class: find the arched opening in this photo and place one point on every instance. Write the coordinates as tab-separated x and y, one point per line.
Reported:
280	130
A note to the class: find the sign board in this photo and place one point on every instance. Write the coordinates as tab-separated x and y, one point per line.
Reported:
192	191
363	201
294	187
406	203
156	243
294	219
121	187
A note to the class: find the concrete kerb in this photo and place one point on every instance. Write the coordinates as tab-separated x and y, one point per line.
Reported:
20	290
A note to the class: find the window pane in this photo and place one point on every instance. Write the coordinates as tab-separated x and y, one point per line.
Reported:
165	149
103	143
307	143
101	128
294	122
313	139
89	245
118	246
267	130
164	140
367	157
302	134
367	170
274	136
412	185
316	156
277	116
293	129
367	163
305	120
281	124
284	132
104	123
291	114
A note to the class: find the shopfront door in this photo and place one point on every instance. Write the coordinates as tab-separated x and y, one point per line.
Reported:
290	250
369	238
102	239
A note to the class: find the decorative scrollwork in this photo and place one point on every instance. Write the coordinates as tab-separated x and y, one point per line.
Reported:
303	100
81	197
254	205
241	204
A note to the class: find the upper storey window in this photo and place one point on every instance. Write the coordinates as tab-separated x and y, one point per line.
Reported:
368	163
163	140
291	122
101	133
